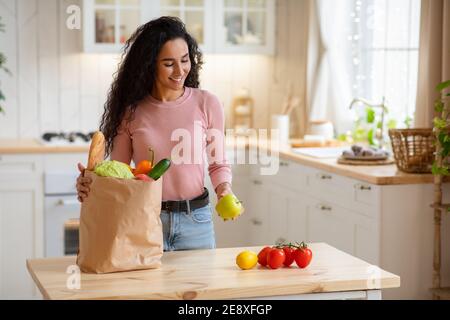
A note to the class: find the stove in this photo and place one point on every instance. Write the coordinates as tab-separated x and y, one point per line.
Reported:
74	138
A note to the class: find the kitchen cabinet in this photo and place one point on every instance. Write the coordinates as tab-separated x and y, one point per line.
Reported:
245	26
198	15
22	214
109	23
258	211
21	223
223	26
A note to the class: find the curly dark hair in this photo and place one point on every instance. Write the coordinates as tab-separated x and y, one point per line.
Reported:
136	73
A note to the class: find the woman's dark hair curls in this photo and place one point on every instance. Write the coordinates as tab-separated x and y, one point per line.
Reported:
137	70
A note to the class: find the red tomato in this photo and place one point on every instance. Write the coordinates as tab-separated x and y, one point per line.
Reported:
275	258
289	253
303	256
262	256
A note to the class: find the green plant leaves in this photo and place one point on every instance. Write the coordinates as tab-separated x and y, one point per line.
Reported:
441	126
436	170
370	135
370	115
392	123
444	140
441	86
439	106
342	137
440	123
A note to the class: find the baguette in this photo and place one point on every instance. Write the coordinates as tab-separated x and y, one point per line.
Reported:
96	150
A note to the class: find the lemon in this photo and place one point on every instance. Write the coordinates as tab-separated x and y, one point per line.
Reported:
246	260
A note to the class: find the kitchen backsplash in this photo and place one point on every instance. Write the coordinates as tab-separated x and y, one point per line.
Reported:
56	87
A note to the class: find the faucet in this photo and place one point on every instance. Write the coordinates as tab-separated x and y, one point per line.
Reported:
379	132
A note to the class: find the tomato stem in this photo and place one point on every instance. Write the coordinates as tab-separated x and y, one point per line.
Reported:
302	245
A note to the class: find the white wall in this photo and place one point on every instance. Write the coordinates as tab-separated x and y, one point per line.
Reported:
56	87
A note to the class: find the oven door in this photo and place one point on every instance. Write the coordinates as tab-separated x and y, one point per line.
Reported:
61	225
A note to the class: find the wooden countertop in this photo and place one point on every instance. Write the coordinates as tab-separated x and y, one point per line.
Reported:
30	146
375	174
379	175
213	274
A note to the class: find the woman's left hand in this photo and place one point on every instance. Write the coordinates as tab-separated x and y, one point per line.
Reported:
223	189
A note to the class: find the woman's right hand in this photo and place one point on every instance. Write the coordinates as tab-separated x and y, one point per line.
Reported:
83	184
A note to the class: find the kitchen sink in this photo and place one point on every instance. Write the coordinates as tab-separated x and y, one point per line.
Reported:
322	152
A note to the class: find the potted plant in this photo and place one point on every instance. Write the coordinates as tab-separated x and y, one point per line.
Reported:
441	129
441	168
2	67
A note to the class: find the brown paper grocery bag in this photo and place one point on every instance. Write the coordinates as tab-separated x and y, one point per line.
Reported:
120	225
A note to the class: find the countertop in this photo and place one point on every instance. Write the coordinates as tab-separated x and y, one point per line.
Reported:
379	175
27	146
375	174
213	274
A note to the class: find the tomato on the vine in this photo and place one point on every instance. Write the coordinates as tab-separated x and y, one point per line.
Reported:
302	255
262	256
289	253
275	258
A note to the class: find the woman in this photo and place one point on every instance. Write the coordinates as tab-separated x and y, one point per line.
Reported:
154	94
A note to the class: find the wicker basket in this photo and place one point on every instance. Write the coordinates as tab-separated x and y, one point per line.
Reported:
413	149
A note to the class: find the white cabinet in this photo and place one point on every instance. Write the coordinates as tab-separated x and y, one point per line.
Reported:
287	215
107	24
331	224
257	210
344	229
219	26
22	215
245	26
21	223
198	15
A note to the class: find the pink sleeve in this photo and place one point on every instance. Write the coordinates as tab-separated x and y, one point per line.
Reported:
122	149
218	168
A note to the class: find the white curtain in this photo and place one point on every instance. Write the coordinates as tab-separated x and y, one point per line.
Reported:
329	63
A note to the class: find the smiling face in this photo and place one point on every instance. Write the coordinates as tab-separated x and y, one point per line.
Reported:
173	66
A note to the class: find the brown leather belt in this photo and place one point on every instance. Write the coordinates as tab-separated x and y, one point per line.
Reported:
186	205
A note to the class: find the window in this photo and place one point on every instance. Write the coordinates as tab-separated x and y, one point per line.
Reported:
190	11
385	51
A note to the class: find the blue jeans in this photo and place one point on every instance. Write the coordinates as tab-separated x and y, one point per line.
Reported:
188	230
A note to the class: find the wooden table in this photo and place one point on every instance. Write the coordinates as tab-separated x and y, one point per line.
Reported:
213	274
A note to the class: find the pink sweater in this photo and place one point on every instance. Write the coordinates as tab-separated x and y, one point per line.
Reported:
154	126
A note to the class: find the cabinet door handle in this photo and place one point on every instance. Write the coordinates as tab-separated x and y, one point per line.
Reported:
67	202
325	207
257	182
324	176
284	164
256	222
362	187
